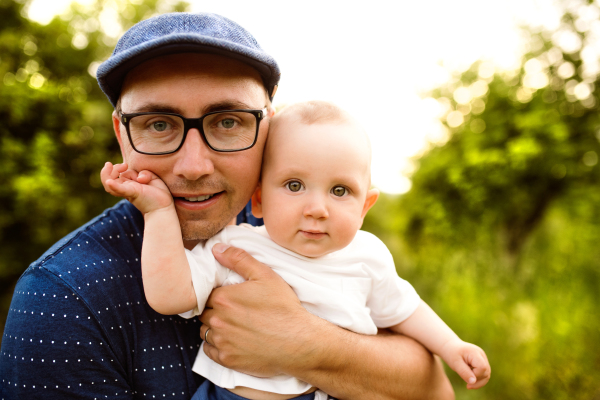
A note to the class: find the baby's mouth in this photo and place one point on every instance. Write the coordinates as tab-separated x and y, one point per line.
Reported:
313	234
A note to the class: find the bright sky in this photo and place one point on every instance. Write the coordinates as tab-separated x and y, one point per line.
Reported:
376	59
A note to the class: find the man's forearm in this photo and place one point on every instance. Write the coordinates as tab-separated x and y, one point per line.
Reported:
259	327
347	365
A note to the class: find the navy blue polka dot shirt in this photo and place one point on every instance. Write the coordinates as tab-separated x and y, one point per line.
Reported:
79	326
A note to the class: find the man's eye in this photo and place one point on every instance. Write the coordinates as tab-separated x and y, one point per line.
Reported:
339	191
228	123
160	126
294	186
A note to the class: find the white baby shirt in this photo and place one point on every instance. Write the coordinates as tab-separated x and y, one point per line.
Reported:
356	288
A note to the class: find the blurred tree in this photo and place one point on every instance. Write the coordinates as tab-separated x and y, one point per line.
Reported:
518	139
500	230
56	129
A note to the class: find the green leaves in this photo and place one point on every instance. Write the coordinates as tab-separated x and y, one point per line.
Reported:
500	230
56	131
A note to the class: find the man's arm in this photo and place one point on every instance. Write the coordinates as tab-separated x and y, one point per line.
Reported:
260	327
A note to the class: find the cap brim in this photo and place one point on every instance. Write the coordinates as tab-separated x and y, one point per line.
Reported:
112	72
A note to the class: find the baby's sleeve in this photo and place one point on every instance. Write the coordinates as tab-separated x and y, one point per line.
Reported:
205	276
392	299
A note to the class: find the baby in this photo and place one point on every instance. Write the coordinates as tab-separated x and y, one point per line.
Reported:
313	196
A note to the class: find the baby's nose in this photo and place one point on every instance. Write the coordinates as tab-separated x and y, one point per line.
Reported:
316	210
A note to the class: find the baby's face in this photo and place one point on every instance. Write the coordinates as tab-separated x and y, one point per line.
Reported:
315	186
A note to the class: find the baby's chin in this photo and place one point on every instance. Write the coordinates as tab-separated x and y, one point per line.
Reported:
310	250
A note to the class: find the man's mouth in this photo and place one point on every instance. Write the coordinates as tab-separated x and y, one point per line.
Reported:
199	198
197	203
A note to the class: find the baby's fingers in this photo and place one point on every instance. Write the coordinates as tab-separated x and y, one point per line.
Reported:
464	371
110	171
130	175
118	187
146	176
482	371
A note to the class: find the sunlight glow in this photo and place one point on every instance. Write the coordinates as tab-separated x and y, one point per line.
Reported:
380	60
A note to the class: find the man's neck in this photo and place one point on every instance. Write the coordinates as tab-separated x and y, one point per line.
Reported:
190	244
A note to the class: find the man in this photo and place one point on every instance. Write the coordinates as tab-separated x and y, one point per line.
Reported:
79	325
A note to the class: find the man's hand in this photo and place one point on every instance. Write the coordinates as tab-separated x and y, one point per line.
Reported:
251	323
259	327
146	191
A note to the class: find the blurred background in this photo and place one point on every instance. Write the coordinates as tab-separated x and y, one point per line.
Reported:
484	117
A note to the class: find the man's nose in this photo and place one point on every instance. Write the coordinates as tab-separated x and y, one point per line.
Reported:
194	159
316	208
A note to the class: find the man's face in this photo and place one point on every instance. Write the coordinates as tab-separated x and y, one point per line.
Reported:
192	85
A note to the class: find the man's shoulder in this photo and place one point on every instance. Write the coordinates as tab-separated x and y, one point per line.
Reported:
85	299
117	231
98	263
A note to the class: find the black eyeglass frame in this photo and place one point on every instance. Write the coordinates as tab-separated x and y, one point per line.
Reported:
190	123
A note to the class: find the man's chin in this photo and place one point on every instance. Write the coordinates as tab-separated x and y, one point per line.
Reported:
201	230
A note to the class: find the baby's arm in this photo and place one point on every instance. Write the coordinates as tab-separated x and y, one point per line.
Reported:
468	360
165	269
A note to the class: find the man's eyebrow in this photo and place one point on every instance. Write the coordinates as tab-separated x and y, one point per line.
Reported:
228	105
166	108
155	107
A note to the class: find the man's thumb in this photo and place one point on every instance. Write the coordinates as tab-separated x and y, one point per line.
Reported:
239	261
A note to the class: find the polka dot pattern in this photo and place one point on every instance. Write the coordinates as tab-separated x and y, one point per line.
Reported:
79	325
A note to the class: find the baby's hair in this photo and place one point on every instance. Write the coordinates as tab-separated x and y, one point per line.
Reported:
312	112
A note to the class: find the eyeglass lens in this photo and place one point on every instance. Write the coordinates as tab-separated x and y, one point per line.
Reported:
157	133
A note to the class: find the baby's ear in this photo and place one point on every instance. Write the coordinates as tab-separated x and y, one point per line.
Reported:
372	196
257	203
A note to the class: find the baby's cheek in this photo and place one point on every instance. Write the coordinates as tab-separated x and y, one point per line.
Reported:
279	230
346	231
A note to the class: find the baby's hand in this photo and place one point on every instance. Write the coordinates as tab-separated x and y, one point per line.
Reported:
146	191
469	361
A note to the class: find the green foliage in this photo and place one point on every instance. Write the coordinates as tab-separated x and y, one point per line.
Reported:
500	231
56	130
517	150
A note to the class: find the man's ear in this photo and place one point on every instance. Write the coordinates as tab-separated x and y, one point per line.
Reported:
372	196
257	203
117	128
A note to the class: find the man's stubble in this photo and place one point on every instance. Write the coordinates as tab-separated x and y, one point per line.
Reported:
204	224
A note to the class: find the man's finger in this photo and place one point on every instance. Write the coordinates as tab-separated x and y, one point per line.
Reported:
241	262
203	330
211	352
205	316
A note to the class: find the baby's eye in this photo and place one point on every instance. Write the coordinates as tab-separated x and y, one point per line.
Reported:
339	191
294	186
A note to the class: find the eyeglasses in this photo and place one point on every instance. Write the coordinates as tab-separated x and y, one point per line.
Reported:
164	133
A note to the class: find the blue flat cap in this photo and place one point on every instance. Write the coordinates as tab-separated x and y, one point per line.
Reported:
184	33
